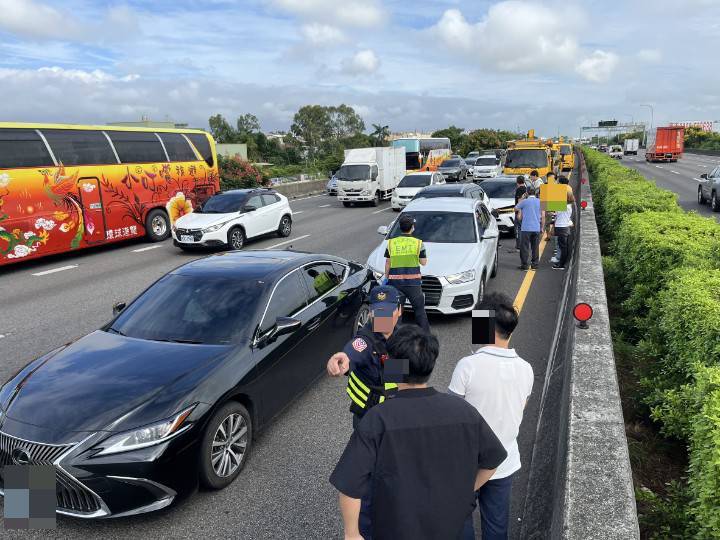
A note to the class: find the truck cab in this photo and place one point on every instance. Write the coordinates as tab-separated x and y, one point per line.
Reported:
369	174
527	155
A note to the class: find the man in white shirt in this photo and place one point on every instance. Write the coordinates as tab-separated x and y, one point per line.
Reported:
497	382
563	222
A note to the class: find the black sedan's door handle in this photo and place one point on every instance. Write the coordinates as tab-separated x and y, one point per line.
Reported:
314	325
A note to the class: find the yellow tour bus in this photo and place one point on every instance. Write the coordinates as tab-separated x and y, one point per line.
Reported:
65	187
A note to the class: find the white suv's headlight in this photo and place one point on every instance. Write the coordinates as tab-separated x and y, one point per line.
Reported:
213	228
462	277
146	436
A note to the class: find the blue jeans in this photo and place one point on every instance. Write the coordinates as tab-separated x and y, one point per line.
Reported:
494	502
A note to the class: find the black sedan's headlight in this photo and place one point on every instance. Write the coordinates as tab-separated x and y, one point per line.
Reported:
147	435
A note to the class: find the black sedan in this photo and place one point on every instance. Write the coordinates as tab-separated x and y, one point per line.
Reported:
170	393
454	170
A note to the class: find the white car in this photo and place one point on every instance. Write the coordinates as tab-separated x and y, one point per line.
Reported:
410	185
487	166
461	242
501	193
616	152
231	217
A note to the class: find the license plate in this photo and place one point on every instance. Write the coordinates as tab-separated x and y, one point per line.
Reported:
187	238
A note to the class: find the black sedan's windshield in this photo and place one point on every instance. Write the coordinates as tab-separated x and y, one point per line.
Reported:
188	309
440	227
527	158
499	190
415	180
450	163
354	172
224	203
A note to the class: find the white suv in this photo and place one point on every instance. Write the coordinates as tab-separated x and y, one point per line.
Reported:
461	241
231	217
410	185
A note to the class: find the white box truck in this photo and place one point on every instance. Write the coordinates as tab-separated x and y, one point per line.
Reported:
631	146
370	174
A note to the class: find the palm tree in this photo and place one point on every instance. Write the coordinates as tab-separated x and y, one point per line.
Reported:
380	134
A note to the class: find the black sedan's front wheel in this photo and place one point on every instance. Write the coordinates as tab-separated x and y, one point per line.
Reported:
225	446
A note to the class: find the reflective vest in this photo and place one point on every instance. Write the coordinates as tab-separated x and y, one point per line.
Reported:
365	394
404	257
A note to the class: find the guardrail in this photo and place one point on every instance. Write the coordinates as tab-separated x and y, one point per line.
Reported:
580	483
293	190
702	152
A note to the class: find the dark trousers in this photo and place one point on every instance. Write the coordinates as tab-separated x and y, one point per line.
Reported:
564	240
518	224
494	503
529	244
417	300
365	519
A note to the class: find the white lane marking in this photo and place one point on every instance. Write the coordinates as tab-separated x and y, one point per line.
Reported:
383	210
295	213
287	242
323	206
62	268
659	166
698	179
2	336
309	197
146	248
674	172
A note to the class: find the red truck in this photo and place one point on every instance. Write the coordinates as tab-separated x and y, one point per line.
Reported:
667	144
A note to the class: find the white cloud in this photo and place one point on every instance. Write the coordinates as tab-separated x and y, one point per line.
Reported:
350	13
35	20
321	34
514	36
362	62
598	67
650	55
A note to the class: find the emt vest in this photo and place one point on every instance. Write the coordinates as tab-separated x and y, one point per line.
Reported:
404	258
363	393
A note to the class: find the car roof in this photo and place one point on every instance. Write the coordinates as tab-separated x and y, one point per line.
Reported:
245	191
420	173
508	179
442	204
251	264
460	188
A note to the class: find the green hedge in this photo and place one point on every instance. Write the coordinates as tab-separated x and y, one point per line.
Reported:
664	267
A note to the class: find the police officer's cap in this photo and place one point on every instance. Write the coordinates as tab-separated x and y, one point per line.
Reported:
384	299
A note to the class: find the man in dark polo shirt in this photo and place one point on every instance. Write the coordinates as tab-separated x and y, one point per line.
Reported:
421	455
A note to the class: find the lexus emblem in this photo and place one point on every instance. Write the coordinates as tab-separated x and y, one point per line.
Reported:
20	457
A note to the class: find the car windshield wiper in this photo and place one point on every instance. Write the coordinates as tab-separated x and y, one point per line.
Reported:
181	340
111	329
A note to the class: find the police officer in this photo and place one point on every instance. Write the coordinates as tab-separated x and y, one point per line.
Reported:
363	357
403	257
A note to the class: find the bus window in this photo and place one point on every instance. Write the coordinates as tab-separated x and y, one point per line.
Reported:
79	147
23	148
200	141
137	146
177	147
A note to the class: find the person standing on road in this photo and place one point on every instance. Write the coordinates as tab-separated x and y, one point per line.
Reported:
563	224
571	202
498	383
421	455
533	223
535	180
520	191
404	255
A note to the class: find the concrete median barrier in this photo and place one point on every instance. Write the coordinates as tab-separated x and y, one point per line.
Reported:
294	190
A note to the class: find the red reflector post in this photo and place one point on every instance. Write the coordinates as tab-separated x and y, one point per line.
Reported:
583	204
583	312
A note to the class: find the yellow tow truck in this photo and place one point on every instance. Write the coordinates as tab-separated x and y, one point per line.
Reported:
529	154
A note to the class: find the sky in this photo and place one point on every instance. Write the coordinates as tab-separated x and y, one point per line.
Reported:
413	65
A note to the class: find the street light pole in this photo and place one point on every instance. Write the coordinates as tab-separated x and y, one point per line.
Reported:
652	118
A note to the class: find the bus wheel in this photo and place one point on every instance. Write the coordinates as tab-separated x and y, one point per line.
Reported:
157	225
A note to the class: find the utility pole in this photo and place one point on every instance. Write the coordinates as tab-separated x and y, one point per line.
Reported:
652	119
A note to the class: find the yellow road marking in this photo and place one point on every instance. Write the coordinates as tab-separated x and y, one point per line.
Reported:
527	281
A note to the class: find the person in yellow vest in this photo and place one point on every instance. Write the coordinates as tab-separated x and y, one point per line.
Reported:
403	257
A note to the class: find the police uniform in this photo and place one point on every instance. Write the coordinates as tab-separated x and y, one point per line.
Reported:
405	252
367	353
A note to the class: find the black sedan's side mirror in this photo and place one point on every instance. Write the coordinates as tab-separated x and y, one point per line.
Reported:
703	176
283	326
118	307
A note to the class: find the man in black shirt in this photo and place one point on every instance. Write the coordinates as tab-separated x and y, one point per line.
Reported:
421	455
520	191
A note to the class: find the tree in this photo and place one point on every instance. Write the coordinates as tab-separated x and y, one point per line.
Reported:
312	126
248	123
344	121
380	134
455	134
237	173
221	130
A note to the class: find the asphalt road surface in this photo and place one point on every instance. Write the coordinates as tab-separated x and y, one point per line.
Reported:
681	177
283	492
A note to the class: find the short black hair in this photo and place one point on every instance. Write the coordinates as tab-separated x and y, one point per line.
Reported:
531	190
548	174
520	179
506	316
406	223
563	180
420	348
534	173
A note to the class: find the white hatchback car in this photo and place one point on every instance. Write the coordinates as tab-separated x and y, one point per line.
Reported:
487	166
410	185
231	217
461	242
